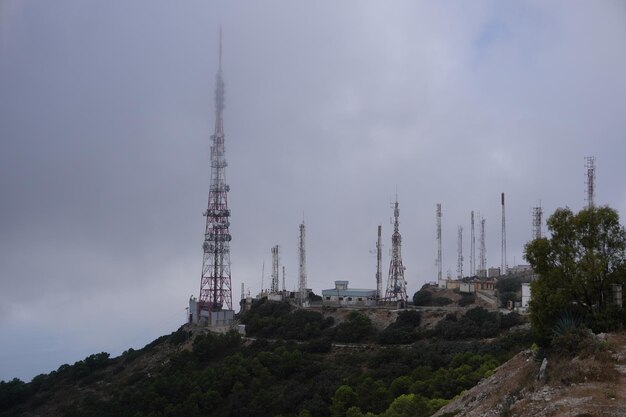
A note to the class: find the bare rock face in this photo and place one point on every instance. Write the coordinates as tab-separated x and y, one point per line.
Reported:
589	386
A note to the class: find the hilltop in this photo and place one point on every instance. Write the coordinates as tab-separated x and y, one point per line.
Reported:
292	363
462	361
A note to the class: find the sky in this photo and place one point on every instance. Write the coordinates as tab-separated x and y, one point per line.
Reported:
332	110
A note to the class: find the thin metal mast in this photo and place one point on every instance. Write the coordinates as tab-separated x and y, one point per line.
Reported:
215	282
302	265
284	279
275	269
503	269
483	248
459	248
379	266
439	257
472	248
591	179
396	285
537	214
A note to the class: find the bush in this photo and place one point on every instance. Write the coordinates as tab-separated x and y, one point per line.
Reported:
357	328
426	298
402	331
467	299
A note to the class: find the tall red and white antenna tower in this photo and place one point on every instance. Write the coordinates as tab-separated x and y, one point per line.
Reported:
215	283
590	165
396	285
503	269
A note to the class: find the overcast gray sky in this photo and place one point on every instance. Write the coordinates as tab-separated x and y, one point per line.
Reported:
106	109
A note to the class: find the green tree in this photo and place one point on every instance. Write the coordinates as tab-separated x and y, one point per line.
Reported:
576	265
344	398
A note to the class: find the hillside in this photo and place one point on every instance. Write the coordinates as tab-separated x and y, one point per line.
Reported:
294	363
582	386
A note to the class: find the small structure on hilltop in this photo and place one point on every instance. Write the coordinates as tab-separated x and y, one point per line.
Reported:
341	296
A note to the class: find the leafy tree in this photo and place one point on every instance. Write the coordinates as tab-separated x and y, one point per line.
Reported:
357	328
402	331
422	297
344	398
576	265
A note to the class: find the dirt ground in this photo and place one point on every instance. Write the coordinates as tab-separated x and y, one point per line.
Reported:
578	387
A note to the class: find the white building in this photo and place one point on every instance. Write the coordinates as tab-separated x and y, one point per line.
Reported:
341	295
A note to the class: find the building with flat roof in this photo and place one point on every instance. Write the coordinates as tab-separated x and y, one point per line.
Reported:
342	296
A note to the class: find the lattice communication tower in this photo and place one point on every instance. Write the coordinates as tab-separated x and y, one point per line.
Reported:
438	261
275	269
472	247
396	285
537	215
215	283
590	165
483	249
459	249
302	265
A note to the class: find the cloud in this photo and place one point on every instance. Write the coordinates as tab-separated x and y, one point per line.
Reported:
108	109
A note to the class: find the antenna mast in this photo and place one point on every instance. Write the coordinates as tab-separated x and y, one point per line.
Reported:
591	179
215	282
379	266
275	269
302	266
503	269
396	285
483	248
537	214
284	286
438	262
472	247
459	248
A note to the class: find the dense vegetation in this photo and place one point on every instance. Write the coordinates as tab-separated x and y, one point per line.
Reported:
209	374
577	267
425	297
